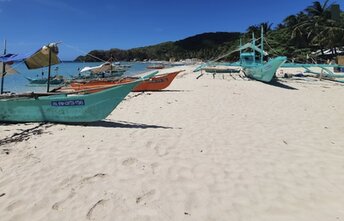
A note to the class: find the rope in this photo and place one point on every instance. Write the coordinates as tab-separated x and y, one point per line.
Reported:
273	50
87	54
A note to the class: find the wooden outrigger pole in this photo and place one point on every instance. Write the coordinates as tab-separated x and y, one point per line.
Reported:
261	44
49	69
254	45
3	71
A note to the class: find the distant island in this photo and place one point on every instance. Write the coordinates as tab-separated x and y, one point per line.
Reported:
316	33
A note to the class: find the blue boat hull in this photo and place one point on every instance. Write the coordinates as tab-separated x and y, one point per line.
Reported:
264	72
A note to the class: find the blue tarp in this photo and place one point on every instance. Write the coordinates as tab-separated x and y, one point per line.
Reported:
12	57
32	61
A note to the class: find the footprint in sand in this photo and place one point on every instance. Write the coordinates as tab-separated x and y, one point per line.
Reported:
149	144
129	161
107	207
15	205
97	205
57	205
154	167
161	151
145	197
75	187
92	178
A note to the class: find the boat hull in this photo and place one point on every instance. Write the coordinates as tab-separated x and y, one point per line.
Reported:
264	72
155	83
63	107
156	67
45	81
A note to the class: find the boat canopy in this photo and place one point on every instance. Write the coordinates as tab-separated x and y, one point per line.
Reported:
35	60
8	59
98	69
41	57
8	69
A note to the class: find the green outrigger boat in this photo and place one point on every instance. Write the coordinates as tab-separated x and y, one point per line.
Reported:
58	107
251	66
259	70
40	81
63	107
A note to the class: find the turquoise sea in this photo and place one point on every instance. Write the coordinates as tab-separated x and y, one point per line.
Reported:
17	83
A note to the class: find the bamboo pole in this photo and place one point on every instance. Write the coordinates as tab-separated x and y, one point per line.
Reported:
49	69
3	71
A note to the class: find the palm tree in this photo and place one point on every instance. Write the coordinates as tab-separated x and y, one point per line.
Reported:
257	28
319	29
292	24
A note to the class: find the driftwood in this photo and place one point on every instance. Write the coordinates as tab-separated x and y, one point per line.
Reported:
25	134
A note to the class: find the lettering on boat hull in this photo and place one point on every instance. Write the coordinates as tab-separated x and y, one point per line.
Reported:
68	103
158	80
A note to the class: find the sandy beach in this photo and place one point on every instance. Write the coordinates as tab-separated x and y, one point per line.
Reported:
209	149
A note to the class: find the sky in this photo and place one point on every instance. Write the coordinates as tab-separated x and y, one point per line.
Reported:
85	25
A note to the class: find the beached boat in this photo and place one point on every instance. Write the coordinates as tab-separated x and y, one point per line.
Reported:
54	80
154	83
157	83
59	107
259	69
252	67
156	66
63	107
106	69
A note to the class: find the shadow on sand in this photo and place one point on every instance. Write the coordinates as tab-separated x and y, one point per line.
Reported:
276	83
121	124
105	124
163	91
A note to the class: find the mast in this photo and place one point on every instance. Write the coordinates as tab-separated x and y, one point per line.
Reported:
261	44
3	70
49	68
240	51
254	45
111	65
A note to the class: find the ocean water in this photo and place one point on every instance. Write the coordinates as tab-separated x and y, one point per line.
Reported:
17	83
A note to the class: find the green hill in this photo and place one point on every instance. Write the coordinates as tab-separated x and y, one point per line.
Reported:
203	46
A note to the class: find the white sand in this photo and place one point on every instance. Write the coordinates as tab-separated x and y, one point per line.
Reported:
207	149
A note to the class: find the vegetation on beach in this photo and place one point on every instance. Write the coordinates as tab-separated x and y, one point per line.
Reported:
313	29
